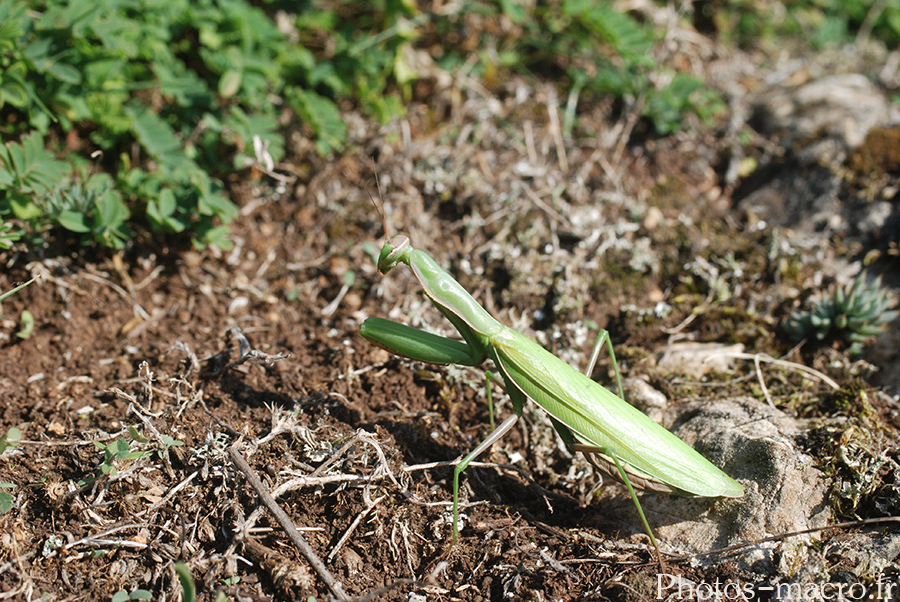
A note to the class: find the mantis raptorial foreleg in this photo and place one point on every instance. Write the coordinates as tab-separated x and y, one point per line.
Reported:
432	348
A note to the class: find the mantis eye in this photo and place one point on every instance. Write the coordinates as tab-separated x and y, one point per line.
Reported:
400	243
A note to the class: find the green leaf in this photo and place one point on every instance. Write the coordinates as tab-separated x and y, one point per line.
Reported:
217	205
12	23
619	30
169	441
230	83
38	51
74	222
245	126
27	322
155	135
832	31
120	596
187	581
217	235
29	168
43	59
10	440
7	501
136	435
64	72
186	88
8	235
323	117
122	448
14	93
667	107
111	211
22	206
514	9
135	455
162	212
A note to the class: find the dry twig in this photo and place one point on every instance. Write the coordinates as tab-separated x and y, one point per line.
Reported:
284	520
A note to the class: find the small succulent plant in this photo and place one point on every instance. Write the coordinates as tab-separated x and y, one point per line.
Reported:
852	313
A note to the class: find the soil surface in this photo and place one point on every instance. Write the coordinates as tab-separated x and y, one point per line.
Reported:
146	370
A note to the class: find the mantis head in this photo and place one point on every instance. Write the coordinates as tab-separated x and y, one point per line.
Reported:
395	250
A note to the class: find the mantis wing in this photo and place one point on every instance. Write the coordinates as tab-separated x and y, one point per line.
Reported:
600	419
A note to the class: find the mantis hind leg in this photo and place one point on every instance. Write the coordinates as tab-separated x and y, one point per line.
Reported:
603	337
600	458
637	504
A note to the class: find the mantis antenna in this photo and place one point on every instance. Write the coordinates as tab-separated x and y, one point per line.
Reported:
380	210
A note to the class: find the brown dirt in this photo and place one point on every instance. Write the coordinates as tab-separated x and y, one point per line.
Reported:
134	343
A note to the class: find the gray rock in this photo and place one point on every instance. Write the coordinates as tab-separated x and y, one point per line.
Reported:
794	194
840	107
784	492
816	124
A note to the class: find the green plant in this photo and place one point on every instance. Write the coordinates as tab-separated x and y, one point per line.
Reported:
601	51
121	450
114	452
7	500
170	99
39	189
12	292
94	210
138	594
8	235
815	23
189	592
26	320
28	171
121	80
171	96
188	589
853	314
10	440
165	442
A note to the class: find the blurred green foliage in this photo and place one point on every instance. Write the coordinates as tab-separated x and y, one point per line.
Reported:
815	23
598	51
120	119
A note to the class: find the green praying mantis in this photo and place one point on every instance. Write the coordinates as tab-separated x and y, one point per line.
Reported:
616	437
